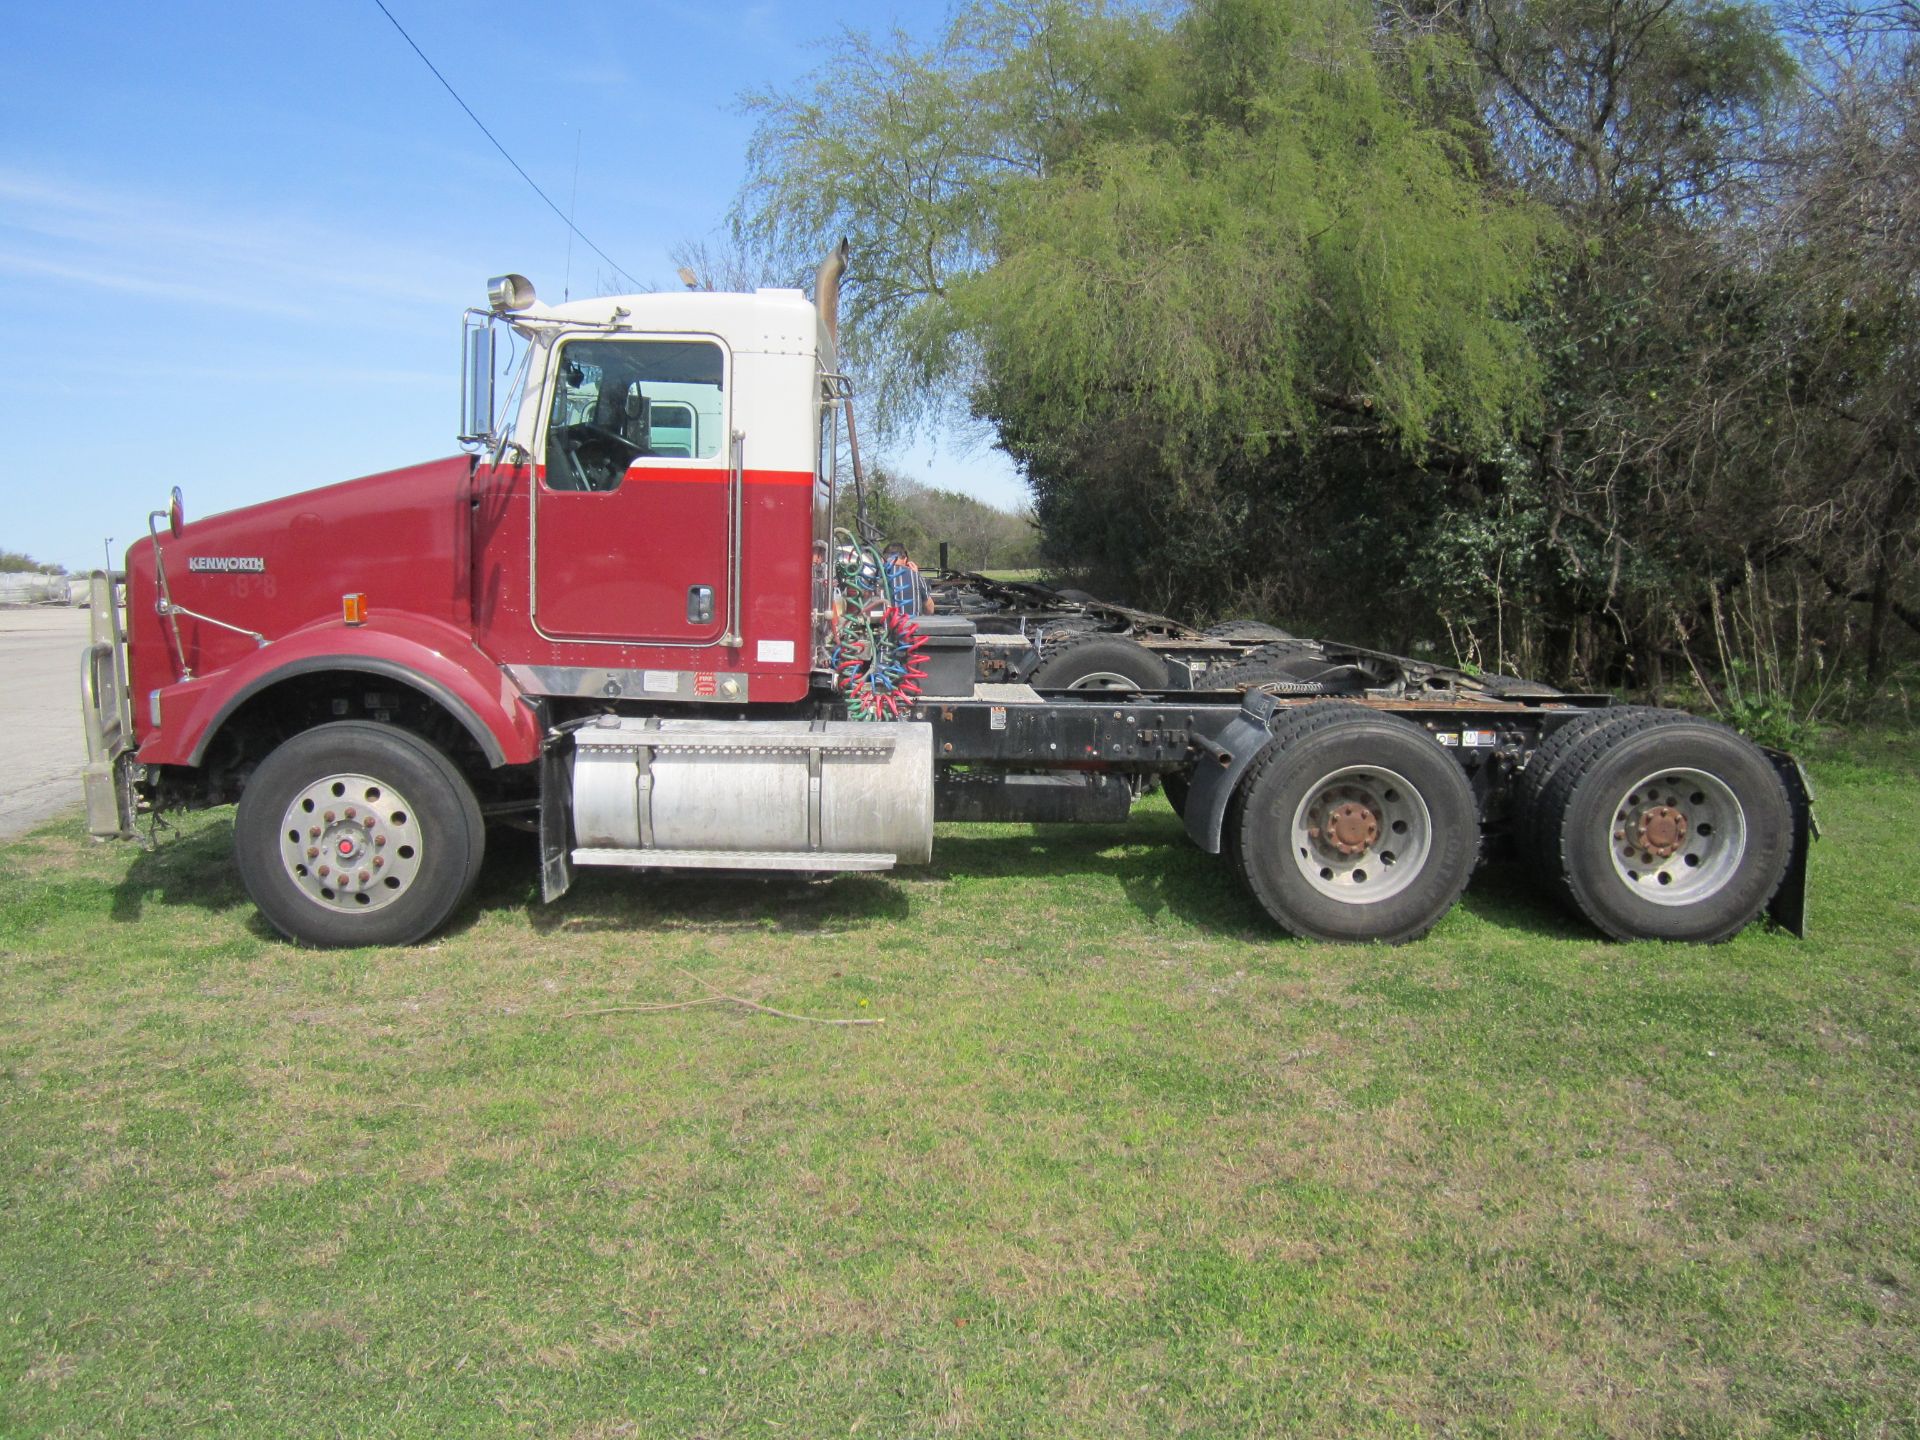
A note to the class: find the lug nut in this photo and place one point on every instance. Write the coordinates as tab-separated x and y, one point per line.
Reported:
379	839
323	871
350	812
365	876
313	833
378	861
313	852
328	817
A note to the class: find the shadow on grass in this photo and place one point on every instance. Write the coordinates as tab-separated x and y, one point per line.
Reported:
1504	894
603	899
1157	868
1149	857
194	868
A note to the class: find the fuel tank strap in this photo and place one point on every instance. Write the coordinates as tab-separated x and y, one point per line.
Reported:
728	740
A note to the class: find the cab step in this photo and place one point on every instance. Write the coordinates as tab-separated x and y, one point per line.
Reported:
737	859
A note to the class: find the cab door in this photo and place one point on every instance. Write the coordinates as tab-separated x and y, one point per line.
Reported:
632	500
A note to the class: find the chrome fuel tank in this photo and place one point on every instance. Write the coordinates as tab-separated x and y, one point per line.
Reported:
772	794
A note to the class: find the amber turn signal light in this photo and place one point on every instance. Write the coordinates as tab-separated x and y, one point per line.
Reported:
354	608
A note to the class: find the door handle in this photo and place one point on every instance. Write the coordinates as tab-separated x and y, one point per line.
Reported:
699	604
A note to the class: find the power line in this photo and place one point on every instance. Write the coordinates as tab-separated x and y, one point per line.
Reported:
566	218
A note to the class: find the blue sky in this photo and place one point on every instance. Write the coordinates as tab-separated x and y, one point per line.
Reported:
235	240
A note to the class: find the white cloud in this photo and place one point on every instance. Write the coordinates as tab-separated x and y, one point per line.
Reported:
249	260
149	286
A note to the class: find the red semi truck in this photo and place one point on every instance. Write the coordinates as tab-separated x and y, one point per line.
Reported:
629	618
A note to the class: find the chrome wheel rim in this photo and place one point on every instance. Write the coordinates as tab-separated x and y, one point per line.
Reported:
1361	834
1676	836
351	843
1104	680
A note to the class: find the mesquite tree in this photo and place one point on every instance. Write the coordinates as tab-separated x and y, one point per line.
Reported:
1547	330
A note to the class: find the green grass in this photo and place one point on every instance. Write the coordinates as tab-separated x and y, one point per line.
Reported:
1119	1163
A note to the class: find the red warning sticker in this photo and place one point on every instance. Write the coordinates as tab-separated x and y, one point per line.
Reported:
703	683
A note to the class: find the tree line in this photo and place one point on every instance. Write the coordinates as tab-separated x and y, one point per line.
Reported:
1577	336
17	562
922	517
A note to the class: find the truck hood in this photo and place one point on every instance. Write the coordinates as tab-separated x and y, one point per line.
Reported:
401	538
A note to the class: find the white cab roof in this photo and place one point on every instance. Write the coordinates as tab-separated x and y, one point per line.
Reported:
777	322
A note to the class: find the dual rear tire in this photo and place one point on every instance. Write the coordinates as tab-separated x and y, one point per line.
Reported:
1656	825
1354	825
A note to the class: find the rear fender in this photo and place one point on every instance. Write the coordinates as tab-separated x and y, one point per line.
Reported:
1788	908
429	656
1221	767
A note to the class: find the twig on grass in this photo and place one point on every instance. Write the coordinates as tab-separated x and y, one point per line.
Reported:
718	997
640	1009
719	994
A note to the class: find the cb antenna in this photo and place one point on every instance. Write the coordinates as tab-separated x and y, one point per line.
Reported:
573	197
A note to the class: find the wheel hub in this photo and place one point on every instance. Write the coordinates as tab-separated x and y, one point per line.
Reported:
1351	828
1661	831
1361	834
351	842
1678	836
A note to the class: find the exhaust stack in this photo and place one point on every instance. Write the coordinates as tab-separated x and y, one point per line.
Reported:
826	288
826	299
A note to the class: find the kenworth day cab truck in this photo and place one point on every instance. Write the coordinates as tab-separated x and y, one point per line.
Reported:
629	618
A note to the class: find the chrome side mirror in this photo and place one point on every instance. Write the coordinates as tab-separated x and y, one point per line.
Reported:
477	367
176	512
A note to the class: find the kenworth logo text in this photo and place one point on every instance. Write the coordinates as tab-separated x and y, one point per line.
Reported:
251	564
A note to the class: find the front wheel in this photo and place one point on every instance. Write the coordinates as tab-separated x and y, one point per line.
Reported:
357	834
1354	826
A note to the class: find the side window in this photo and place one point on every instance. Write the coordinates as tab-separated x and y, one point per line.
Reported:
618	401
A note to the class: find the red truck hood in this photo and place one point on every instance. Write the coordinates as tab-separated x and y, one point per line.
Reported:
401	538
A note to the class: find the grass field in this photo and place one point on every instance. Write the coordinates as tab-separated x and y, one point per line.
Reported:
1119	1162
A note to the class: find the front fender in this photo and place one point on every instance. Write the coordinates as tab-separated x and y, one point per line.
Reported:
427	655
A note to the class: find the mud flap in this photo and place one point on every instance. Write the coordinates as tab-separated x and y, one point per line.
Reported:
1788	908
1222	763
556	821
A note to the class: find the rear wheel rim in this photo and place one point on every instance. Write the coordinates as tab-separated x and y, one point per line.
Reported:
1105	680
351	843
1676	837
1361	834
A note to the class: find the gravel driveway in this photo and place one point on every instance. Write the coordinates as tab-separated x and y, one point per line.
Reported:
42	746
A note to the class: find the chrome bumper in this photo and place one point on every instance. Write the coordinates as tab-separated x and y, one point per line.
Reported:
105	715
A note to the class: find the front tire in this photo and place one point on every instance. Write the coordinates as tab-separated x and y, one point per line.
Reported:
1354	826
358	834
